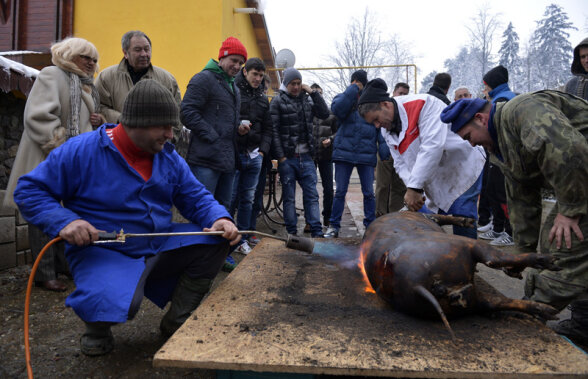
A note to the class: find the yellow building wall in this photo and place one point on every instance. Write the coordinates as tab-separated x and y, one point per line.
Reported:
184	34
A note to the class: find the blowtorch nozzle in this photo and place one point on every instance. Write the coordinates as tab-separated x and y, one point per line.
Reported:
300	243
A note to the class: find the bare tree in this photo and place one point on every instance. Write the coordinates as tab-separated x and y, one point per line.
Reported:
482	31
362	46
397	52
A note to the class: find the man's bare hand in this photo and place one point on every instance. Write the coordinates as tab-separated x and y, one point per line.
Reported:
326	142
306	88
414	200
79	233
358	83
229	229
562	226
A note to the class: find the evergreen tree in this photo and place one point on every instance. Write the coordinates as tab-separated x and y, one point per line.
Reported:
427	82
509	57
551	49
464	71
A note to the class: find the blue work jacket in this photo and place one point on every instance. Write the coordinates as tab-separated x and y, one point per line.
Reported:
87	178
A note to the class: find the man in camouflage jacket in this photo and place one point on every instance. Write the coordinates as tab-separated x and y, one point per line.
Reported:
540	139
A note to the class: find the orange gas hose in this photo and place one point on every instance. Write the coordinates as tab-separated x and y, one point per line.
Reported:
27	302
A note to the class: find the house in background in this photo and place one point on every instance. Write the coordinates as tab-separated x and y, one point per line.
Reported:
185	34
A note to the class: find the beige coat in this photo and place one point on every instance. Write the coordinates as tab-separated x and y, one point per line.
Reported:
114	83
45	120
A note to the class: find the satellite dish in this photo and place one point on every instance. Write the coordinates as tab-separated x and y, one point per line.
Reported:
285	58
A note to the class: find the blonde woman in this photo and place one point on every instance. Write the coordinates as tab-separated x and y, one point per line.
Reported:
63	103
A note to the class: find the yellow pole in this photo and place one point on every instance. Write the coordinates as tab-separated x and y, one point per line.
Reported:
357	67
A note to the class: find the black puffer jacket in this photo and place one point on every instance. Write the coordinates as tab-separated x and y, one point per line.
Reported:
578	85
211	111
292	121
439	94
324	129
255	108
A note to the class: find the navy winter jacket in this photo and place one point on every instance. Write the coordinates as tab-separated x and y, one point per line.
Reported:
210	109
292	121
501	93
356	140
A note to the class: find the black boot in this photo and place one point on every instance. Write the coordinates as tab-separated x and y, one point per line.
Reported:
576	327
98	339
187	296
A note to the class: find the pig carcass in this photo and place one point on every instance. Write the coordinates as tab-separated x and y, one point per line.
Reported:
419	269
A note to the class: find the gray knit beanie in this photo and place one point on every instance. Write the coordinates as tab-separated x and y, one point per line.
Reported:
291	74
149	104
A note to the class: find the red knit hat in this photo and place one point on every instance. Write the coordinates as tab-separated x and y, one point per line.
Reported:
232	46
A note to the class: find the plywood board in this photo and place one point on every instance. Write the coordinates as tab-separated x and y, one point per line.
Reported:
286	311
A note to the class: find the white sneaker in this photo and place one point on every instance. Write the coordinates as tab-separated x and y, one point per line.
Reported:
503	240
244	248
490	235
485	228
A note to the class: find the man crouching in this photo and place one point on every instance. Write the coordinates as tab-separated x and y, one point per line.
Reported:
128	176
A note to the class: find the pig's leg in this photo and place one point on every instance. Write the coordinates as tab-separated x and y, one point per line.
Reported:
513	264
495	301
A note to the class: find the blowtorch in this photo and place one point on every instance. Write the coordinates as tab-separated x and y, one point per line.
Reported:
292	242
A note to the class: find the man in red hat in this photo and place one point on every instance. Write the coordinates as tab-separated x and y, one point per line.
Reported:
210	109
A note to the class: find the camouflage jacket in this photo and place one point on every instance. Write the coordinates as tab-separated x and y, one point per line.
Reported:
542	137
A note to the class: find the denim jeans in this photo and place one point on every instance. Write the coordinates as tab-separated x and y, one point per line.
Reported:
220	184
366	178
300	169
259	190
465	205
325	168
244	186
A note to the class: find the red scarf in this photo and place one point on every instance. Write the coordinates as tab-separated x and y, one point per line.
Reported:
138	159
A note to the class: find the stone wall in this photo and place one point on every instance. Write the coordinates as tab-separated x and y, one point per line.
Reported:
14	242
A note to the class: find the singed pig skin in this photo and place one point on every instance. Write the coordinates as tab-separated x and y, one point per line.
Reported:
405	250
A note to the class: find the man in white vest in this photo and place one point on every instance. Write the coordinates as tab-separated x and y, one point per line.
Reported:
441	173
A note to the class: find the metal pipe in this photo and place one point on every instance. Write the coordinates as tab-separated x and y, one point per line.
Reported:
357	67
293	242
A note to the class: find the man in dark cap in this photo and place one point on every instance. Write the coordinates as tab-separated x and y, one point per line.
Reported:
390	189
354	146
149	179
292	112
499	230
578	85
496	85
435	165
540	140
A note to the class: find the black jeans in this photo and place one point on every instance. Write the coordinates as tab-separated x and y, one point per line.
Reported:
197	261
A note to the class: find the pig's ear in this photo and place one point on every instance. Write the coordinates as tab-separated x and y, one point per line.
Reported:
429	297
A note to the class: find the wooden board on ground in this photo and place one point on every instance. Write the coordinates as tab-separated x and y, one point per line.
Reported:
286	311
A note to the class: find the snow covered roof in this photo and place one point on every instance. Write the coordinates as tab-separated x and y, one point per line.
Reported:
16	76
8	64
19	52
